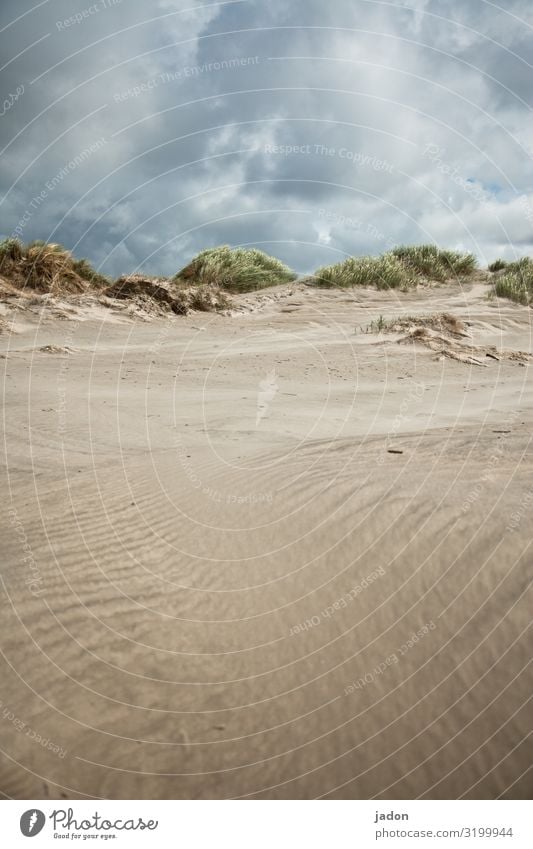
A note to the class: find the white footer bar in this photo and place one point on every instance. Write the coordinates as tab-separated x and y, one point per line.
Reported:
267	824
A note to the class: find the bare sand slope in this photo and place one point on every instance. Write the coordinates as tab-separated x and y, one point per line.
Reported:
238	590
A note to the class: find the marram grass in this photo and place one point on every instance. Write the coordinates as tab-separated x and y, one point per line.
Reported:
435	264
235	269
383	272
46	267
516	283
401	268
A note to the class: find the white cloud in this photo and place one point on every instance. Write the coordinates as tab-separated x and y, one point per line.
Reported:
366	83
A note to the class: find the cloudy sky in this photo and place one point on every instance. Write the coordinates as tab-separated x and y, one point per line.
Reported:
137	134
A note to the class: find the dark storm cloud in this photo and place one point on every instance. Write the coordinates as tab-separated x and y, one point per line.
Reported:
311	130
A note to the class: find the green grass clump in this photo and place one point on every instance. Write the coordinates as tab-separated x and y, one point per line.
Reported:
517	282
401	268
383	272
523	265
11	250
433	263
85	270
378	325
497	265
235	269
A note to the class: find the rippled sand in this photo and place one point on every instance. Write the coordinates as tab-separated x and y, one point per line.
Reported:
218	580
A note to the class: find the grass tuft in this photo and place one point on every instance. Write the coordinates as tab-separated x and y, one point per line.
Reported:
441	322
235	269
383	272
402	268
11	250
85	270
207	299
517	282
46	267
434	264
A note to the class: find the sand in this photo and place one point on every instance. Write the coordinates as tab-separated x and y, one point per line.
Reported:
266	554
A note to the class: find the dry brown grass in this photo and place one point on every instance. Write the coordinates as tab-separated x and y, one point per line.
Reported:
46	268
207	299
445	343
161	295
443	322
146	292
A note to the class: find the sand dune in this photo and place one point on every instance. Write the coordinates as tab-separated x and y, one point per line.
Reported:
266	554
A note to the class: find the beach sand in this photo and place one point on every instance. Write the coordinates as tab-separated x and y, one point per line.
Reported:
218	581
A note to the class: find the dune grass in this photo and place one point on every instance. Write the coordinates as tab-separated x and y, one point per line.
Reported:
85	270
11	250
46	267
401	268
441	322
235	270
383	272
517	282
435	264
497	265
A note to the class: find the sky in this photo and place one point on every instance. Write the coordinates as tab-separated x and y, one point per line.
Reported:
139	134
